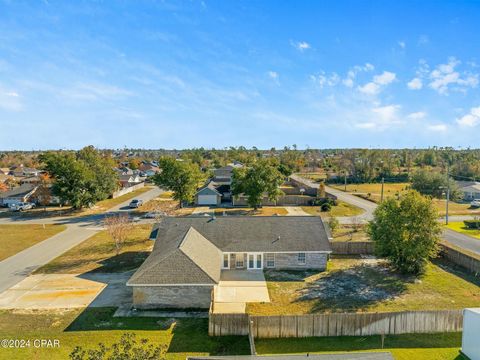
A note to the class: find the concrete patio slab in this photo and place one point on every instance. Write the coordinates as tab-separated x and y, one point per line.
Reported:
65	291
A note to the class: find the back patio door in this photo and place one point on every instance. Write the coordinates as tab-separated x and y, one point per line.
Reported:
254	261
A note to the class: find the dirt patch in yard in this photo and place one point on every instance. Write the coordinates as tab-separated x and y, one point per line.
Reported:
355	284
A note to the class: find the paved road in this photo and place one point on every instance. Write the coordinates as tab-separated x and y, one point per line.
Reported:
17	267
463	241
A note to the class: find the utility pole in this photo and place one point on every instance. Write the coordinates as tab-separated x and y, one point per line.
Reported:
383	182
345	180
448	193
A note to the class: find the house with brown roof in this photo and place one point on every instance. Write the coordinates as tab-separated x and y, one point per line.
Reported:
191	254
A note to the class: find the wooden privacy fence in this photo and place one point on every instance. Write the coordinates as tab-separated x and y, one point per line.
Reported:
352	247
342	324
462	259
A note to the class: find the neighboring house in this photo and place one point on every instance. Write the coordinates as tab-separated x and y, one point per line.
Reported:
21	171
208	195
217	189
129	180
18	194
30	180
149	169
225	173
190	253
469	189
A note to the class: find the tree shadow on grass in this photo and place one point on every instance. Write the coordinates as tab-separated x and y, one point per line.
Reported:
359	343
353	289
125	261
191	335
457	270
91	319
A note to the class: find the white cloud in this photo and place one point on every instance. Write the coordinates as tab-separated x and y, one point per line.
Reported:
370	88
445	77
300	45
402	44
274	76
10	100
95	91
417	115
381	118
415	84
437	127
471	119
323	79
375	86
349	80
385	78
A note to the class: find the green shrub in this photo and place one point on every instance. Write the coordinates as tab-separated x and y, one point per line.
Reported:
472	224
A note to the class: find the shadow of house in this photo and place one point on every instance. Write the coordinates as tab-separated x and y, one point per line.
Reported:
183	342
352	289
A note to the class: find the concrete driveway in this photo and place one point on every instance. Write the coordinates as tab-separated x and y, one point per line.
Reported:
295	211
66	291
237	288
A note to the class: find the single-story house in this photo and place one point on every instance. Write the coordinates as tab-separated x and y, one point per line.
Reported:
21	193
149	169
469	189
20	170
129	180
191	252
208	195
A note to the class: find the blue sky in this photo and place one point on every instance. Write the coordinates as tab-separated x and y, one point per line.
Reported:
177	74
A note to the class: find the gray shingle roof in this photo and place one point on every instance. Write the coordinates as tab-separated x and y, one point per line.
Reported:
252	233
346	356
188	250
186	259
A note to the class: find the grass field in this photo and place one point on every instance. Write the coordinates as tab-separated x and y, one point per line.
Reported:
15	238
98	254
373	191
342	209
86	328
348	233
353	284
403	347
461	228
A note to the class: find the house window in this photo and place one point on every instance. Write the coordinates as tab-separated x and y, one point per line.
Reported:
270	259
302	259
239	261
226	262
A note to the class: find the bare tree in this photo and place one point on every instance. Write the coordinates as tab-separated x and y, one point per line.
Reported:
118	226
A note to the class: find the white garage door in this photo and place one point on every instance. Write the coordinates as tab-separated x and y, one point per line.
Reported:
207	199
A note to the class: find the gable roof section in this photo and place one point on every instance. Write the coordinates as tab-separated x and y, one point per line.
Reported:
202	252
185	259
251	233
209	188
19	191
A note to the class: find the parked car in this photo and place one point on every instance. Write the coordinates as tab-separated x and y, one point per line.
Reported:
22	206
475	203
135	203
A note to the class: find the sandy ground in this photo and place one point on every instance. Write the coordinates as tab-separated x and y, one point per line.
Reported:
296	211
65	291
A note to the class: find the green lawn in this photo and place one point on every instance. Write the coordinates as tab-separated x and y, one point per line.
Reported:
15	238
98	254
460	227
86	328
364	285
342	209
403	347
